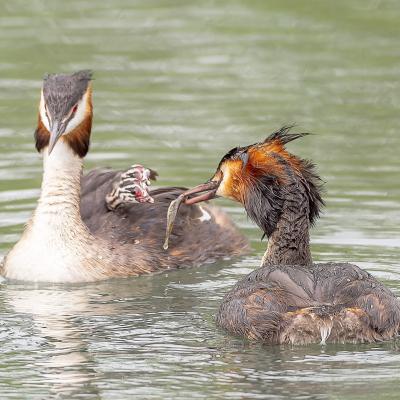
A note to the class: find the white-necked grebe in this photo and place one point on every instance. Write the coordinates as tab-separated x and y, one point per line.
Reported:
105	224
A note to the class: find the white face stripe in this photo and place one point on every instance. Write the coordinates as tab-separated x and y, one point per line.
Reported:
79	114
225	175
76	119
42	111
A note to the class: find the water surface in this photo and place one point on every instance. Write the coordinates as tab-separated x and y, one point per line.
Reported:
177	84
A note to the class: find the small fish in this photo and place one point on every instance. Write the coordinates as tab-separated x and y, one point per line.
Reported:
171	216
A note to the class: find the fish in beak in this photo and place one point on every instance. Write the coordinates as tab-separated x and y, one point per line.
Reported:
205	191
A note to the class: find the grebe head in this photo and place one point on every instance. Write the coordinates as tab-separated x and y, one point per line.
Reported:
65	111
262	176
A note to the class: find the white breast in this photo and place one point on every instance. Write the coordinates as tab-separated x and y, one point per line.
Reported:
55	244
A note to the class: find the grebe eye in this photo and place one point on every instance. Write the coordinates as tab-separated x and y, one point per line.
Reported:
75	109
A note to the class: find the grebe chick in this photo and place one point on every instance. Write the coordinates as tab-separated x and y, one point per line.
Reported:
290	299
106	224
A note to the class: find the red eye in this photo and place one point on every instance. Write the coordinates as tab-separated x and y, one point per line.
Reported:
75	109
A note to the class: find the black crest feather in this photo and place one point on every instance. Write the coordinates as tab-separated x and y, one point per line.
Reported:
284	135
315	188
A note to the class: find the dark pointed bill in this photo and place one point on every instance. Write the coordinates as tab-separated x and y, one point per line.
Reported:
56	132
205	191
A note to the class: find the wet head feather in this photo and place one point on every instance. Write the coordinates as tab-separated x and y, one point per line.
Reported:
264	175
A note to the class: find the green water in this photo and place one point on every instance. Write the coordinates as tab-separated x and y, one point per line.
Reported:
177	84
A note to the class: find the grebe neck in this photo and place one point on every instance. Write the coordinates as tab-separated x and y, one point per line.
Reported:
56	245
289	243
61	186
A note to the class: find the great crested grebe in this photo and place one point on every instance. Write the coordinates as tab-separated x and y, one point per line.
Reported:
106	224
290	299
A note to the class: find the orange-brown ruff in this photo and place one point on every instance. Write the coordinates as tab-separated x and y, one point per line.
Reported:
290	299
74	235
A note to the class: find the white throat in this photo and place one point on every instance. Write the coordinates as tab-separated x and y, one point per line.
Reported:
60	195
56	244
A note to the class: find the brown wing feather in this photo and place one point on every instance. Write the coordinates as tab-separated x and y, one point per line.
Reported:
298	304
143	225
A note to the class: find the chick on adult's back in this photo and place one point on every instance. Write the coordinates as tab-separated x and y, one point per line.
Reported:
106	224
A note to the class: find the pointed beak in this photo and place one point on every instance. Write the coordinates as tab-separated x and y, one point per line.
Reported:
56	131
203	192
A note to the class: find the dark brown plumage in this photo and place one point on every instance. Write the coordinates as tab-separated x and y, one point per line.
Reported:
140	228
290	299
333	302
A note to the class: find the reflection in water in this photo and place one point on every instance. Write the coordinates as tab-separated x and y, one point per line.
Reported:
58	316
177	85
155	337
55	316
